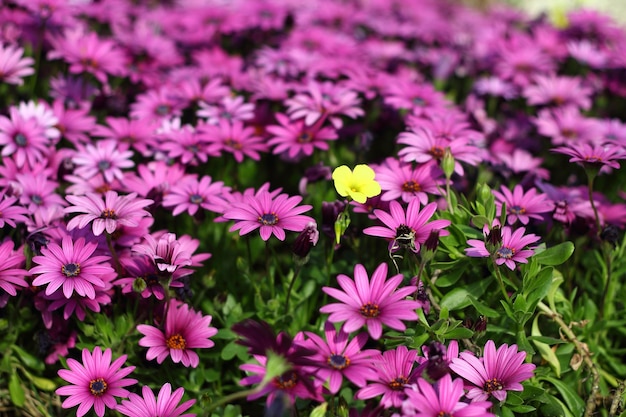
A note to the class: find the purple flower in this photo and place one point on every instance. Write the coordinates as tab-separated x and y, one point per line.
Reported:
373	303
271	215
407	229
13	65
522	206
164	405
558	91
106	215
296	139
394	369
73	266
444	398
23	138
184	330
11	272
234	137
96	382
510	250
337	357
401	180
10	213
599	157
190	195
497	372
104	158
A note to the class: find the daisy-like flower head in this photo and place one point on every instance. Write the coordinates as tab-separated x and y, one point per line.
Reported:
401	180
72	266
296	139
11	272
190	195
107	214
598	157
338	357
104	158
13	65
508	251
407	229
269	214
166	404
358	184
184	329
96	382
522	206
497	372
23	138
371	302
394	370
444	398
9	213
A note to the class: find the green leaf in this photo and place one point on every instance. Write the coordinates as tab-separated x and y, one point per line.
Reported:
479	221
555	255
16	391
506	412
547	340
574	403
458	333
520	303
320	410
233	349
44	384
523	408
455	299
28	359
232	411
538	287
483	309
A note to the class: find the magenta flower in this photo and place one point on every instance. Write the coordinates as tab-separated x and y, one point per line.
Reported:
11	272
497	372
522	206
190	195
409	229
296	139
372	302
508	251
445	398
229	108
187	145
23	138
234	137
73	266
401	180
96	382
103	158
271	215
184	329
337	357
394	370
166	404
558	91
599	157
13	65
9	213
139	134
115	210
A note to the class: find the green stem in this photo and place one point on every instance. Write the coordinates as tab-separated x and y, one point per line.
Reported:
116	259
232	397
501	281
590	178
293	280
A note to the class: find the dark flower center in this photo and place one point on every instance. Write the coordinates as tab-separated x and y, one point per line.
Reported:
196	199
20	139
151	279
162	109
98	387
411	186
305	137
444	414
176	342
104	165
36	199
226	115
398	383
437	152
517	210
369	310
233	143
70	270
418	101
492	385
287	380
268	219
506	253
108	214
338	361
593	159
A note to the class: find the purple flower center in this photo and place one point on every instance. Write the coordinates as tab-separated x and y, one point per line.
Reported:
36	199
287	380
268	219
506	253
444	414
517	210
70	270
176	341
233	143
104	165
411	186
20	139
437	152
492	385
418	101
151	279
196	199
398	383
226	115
338	361
304	137
98	387
162	109
369	310
108	214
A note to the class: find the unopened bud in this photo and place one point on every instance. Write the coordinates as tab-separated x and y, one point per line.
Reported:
139	284
305	241
448	163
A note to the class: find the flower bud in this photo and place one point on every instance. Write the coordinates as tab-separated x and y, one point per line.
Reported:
305	241
448	163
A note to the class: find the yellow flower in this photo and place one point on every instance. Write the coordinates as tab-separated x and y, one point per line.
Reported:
358	184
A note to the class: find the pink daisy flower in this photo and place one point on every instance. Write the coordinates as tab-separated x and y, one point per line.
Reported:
407	229
233	137
508	251
229	108
166	404
187	144
444	398
567	125
401	180
340	357
138	134
522	206
11	272
169	253
394	371
156	105
96	382
371	302
13	65
497	372
22	138
296	139
10	213
43	114
73	266
103	158
190	195
599	157
184	329
270	214
115	210
559	91
78	305
37	193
